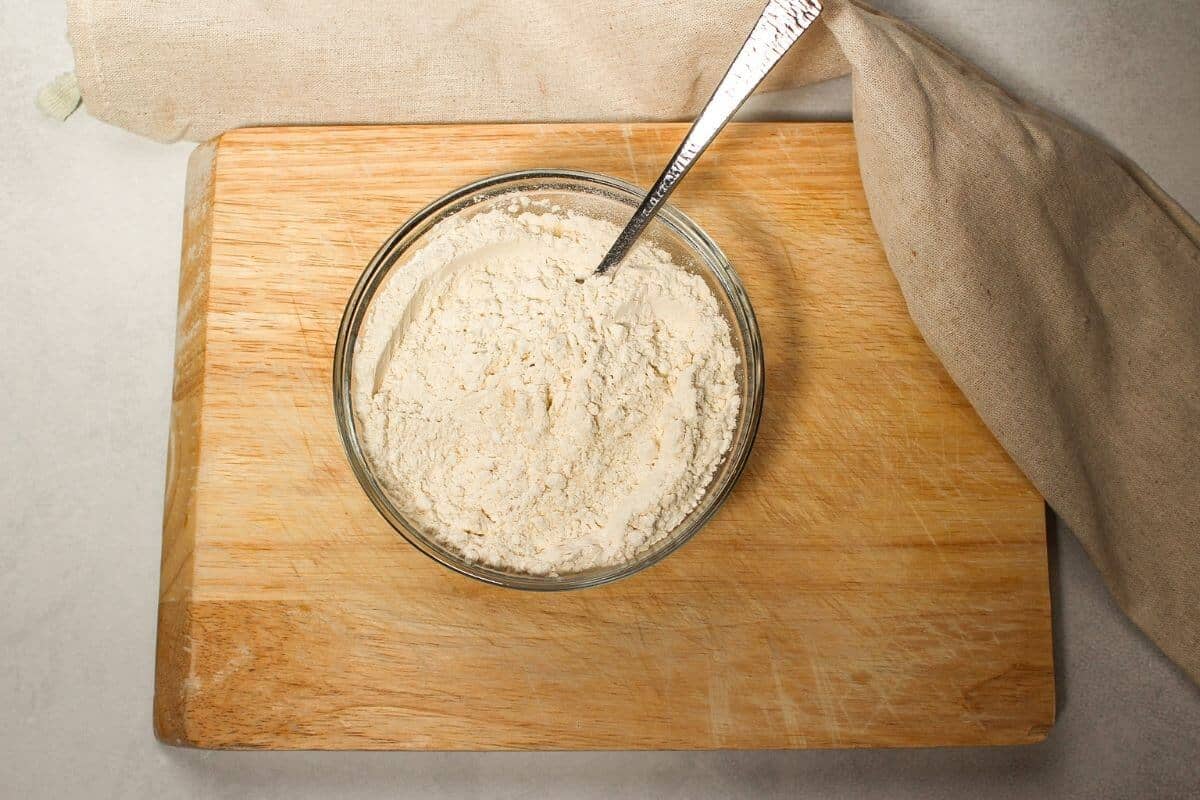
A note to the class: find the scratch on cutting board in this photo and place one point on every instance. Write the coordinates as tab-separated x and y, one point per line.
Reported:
354	247
824	700
719	715
883	701
782	145
937	548
194	684
883	696
787	708
627	135
244	656
300	321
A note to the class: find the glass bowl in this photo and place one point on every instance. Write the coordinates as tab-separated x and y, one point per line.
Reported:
600	197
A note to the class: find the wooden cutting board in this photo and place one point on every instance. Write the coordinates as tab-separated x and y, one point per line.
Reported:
878	577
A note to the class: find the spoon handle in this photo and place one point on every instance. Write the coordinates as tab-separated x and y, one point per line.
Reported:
781	24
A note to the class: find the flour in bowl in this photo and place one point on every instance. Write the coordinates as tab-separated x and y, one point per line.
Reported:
531	422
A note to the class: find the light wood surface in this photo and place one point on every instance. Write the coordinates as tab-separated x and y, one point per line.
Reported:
878	577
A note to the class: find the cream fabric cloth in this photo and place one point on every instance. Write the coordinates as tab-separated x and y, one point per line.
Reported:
1055	280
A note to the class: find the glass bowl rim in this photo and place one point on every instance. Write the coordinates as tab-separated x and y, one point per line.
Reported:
452	203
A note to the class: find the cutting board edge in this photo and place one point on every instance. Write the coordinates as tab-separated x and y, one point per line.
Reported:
173	656
255	133
195	737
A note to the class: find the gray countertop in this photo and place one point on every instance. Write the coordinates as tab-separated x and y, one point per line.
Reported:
90	221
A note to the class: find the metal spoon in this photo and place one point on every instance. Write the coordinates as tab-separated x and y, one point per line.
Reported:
781	24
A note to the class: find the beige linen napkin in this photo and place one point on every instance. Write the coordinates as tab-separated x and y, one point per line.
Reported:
1058	284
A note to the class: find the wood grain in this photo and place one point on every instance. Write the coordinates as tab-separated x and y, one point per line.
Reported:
878	577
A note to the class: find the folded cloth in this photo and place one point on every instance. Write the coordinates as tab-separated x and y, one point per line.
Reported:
1057	283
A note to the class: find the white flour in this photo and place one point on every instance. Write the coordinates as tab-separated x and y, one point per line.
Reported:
534	423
